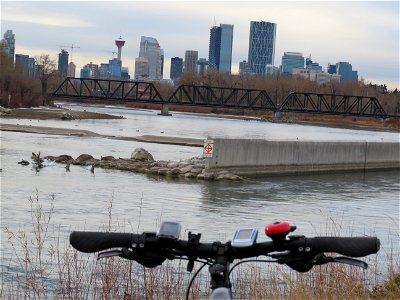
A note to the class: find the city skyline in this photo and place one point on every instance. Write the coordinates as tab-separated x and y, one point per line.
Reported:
329	31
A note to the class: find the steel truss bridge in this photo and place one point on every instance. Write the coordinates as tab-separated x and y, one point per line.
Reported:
236	98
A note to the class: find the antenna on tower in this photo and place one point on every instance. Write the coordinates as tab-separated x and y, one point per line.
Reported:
215	22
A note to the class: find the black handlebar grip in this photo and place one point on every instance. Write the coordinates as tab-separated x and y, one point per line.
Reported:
349	246
88	242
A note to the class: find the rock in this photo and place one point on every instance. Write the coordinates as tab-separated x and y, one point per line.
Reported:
67	116
107	158
84	159
186	169
142	155
172	164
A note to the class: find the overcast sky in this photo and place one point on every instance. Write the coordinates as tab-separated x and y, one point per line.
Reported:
364	33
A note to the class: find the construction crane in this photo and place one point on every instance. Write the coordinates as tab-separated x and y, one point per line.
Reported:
72	47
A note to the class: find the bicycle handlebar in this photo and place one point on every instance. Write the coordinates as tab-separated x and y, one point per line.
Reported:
350	246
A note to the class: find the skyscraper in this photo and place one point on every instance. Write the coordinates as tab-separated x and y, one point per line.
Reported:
191	57
150	49
10	38
176	68
71	69
63	63
261	46
22	63
220	48
290	61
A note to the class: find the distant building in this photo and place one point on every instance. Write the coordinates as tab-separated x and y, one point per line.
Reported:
10	38
271	70
202	65
104	71
141	68
125	73
31	68
315	75
220	48
4	47
261	46
312	65
150	49
86	72
291	60
331	69
22	64
162	63
346	72
63	63
71	69
191	58
244	68
176	68
115	68
94	70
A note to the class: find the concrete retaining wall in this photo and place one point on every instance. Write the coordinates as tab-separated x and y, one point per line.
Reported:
256	157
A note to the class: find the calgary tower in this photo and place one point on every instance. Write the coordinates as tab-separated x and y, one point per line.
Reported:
119	43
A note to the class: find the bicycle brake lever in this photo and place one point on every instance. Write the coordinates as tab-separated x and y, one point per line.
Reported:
110	253
351	261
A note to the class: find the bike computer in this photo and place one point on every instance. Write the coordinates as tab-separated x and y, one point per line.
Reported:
170	230
244	237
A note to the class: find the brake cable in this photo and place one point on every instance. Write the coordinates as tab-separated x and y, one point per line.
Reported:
251	260
205	263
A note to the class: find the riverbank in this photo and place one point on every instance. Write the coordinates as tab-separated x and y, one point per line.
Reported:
335	121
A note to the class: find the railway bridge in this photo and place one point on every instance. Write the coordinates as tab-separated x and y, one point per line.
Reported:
210	96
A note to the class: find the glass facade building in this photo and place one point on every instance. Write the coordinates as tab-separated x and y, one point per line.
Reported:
9	36
290	61
176	68
261	46
345	70
150	49
220	48
63	63
191	58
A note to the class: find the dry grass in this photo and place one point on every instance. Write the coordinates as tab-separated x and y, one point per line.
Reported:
44	267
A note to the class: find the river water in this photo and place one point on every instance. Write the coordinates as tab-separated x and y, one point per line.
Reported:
339	204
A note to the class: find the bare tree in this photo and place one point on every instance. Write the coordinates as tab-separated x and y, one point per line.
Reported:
47	70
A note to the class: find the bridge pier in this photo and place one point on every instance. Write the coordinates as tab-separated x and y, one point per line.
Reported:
164	110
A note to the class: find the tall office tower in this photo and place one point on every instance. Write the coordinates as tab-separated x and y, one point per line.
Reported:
176	68
346	72
119	43
220	48
114	68
10	38
291	60
191	57
150	49
261	46
63	63
4	47
22	64
141	68
71	69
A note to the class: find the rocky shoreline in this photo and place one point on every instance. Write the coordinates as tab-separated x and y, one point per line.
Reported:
141	161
